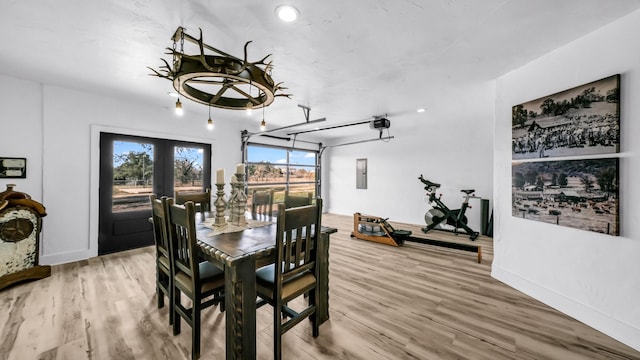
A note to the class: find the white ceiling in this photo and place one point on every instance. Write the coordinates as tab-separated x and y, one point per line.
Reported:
346	60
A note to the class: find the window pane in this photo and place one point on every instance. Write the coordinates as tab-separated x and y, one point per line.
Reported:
298	157
262	173
188	168
302	174
256	154
132	175
267	168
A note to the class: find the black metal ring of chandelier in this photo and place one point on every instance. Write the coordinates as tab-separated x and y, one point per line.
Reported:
222	87
219	80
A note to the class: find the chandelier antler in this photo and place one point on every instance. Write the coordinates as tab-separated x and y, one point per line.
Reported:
220	80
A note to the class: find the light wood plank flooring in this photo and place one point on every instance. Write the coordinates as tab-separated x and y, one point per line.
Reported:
411	302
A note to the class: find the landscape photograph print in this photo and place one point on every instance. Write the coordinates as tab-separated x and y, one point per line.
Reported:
581	194
584	120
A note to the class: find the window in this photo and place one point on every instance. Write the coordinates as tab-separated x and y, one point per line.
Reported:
132	175
135	173
131	168
279	169
188	168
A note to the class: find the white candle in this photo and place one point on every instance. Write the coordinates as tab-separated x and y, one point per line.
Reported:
233	179
220	176
240	169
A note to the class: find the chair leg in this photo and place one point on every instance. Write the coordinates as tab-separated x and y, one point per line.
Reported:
195	330
160	296
159	292
222	302
314	296
170	296
277	330
176	316
315	325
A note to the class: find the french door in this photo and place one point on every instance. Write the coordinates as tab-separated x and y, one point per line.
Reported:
132	168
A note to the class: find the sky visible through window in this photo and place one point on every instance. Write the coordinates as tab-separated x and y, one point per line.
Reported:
126	147
254	154
279	156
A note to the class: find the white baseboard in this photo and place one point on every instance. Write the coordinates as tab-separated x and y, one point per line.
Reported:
63	258
598	320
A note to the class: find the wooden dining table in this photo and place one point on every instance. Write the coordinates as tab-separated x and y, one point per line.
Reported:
238	253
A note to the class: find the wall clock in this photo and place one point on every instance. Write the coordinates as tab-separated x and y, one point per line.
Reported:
16	229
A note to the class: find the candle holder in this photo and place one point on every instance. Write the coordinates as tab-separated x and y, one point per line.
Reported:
231	205
220	205
239	201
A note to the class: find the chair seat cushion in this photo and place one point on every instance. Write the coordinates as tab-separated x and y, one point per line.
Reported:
208	270
293	287
211	278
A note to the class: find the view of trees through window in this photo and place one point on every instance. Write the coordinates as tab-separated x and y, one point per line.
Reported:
133	173
187	169
268	168
280	169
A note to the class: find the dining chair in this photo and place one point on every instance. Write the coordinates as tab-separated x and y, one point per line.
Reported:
297	200
164	280
294	273
201	281
262	204
202	200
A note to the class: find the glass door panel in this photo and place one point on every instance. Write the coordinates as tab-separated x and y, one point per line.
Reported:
188	168
132	175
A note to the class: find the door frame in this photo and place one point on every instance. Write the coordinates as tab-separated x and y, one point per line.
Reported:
94	182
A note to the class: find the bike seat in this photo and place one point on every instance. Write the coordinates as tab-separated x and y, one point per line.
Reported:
468	192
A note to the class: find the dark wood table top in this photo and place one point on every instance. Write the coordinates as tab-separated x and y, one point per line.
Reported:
230	247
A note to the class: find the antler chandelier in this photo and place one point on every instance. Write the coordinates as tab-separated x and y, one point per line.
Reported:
219	80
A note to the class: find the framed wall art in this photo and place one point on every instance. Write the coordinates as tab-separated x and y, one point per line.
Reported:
582	194
13	167
584	120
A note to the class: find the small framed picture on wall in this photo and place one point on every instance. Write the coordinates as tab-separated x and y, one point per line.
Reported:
13	167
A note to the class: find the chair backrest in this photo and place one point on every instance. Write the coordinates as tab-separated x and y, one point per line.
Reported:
182	239
297	229
291	201
262	204
159	215
202	200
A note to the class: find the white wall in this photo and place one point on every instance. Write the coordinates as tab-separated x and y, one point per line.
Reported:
57	130
21	131
590	276
451	144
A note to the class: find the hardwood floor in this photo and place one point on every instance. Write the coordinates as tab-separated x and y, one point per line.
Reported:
410	302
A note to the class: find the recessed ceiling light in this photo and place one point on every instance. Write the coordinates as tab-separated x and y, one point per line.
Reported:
421	110
287	13
173	94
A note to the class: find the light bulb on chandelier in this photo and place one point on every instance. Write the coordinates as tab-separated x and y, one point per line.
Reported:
210	122
179	110
263	124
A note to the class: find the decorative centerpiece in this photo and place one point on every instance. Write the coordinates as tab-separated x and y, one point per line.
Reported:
239	198
220	203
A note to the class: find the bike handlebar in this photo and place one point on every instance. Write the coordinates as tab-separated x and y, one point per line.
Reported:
430	186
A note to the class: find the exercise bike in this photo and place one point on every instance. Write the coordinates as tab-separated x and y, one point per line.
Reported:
440	217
